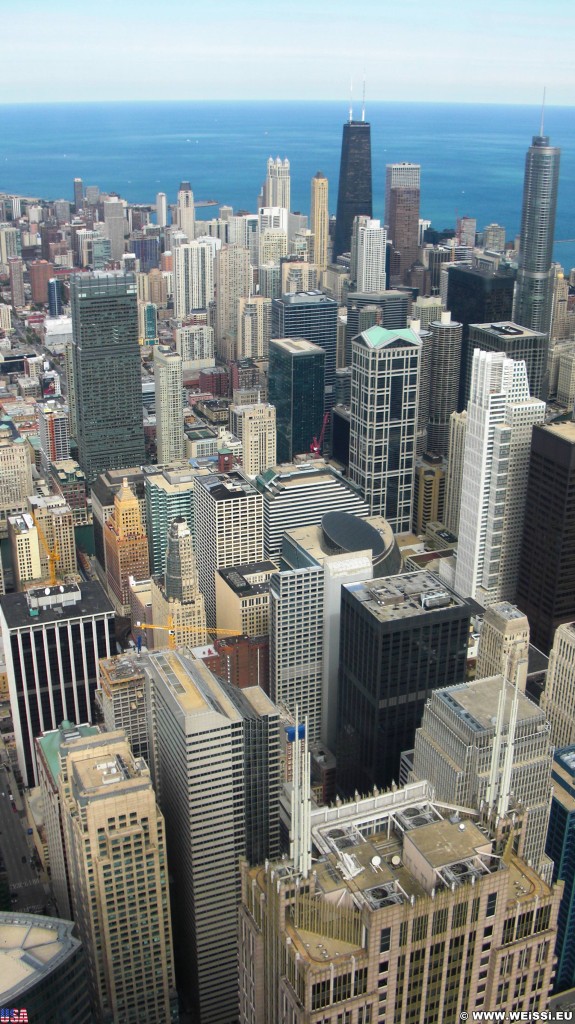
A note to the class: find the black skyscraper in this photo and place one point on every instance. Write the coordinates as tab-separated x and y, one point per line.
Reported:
354	193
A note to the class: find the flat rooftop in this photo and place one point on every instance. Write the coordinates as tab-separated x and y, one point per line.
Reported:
51	743
196	689
507	329
296	346
411	595
31	947
76	600
476	704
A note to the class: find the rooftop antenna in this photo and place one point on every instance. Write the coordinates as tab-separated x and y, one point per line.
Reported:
541	130
350	100
363	101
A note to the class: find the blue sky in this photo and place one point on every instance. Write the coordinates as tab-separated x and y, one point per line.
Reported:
453	50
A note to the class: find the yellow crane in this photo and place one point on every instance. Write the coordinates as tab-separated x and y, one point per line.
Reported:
170	630
52	553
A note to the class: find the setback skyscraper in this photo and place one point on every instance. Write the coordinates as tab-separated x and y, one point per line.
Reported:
106	372
354	192
402	193
533	294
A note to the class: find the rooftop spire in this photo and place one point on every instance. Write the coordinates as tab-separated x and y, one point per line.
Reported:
363	101
541	130
350	100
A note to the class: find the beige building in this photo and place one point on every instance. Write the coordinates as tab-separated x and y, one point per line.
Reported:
254	327
243	598
25	548
457	431
122	700
116	851
558	697
169	406
255	426
298	276
232	282
273	246
409	915
504	644
54	517
178	606
319	220
126	548
428	491
15	473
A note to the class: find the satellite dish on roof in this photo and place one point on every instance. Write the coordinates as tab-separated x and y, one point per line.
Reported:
396	860
375	860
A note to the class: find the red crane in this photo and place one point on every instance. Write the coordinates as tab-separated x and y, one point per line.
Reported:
317	443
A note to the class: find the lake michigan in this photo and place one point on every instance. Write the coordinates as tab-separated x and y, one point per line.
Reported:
472	156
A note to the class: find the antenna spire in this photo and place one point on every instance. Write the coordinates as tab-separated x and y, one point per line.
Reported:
363	101
350	100
541	130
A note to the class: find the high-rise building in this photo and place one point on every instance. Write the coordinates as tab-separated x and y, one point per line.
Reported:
243	605
401	638
169	406
40	272
225	741
55	307
560	837
533	293
185	210
16	272
454	476
296	382
500	417
115	226
53	639
384	392
371	253
313	316
194	275
169	494
177	604
53	432
276	191
116	851
444	381
161	209
402	193
255	425
25	550
106	372
558	697
15	472
354	197
406	915
428	491
78	194
545	590
388	309
494	237
228	529
232	282
503	647
126	546
517	343
478	295
254	327
485	743
55	520
319	220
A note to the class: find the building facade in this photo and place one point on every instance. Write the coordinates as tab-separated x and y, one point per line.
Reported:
354	198
533	295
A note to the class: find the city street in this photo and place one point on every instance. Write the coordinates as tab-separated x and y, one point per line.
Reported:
27	892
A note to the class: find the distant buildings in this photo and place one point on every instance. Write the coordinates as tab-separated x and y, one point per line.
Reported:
319	219
354	197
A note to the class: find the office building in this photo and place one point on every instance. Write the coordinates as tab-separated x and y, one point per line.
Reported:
169	494
494	238
44	970
116	850
194	284
126	548
169	406
558	697
106	372
533	293
454	476
407	915
195	344
296	382
517	343
443	381
78	194
53	638
425	309
371	251
102	496
384	393
500	417
255	425
428	491
115	226
232	283
185	211
55	306
301	495
161	209
478	295
560	836
354	197
486	744
68	480
53	432
226	741
276	190
503	647
545	590
401	638
389	309
402	193
319	220
16	272
254	327
243	599
313	316
121	699
178	606
24	549
228	529
55	522
39	273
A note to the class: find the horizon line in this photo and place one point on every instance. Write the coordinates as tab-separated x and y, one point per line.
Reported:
270	102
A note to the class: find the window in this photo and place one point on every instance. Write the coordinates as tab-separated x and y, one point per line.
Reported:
491	904
385	940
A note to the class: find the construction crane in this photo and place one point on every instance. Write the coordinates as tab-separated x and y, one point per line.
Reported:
170	630
52	553
317	443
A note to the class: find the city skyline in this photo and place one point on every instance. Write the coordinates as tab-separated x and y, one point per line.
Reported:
523	47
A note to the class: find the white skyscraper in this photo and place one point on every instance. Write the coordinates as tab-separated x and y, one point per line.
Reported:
371	246
254	327
194	275
185	212
161	210
169	406
500	418
232	281
277	183
115	226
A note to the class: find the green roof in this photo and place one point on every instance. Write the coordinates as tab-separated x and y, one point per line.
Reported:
51	743
378	337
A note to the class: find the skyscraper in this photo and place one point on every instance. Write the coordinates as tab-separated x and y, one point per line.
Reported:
254	327
177	603
319	219
443	382
126	547
545	587
371	253
313	316
533	293
402	192
354	191
384	390
296	389
194	275
161	210
560	840
277	184
558	697
500	417
232	282
185	211
16	271
78	194
106	372
115	226
169	406
255	426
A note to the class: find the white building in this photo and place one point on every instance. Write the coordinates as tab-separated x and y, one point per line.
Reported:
255	426
371	251
169	406
185	211
254	327
193	275
277	184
